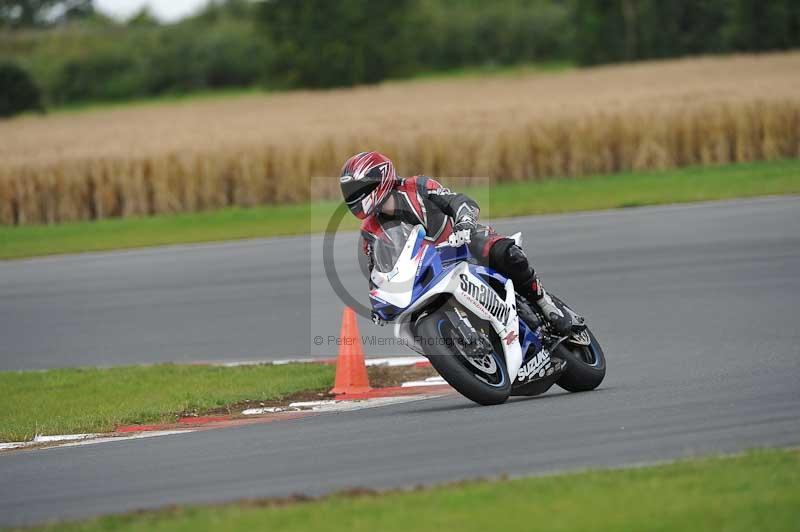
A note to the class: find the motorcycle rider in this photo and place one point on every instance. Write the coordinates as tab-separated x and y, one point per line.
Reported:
373	193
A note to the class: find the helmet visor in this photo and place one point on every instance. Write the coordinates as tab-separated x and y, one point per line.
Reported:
355	190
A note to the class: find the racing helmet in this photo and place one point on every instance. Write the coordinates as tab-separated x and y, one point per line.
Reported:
366	181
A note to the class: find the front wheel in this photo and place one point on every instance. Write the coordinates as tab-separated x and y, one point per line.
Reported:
481	379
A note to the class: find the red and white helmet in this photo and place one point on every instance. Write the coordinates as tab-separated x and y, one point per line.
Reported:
367	178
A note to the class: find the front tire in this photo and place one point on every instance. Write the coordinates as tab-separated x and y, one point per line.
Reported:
440	346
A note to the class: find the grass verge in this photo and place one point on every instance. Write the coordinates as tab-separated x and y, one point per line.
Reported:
68	401
754	491
514	199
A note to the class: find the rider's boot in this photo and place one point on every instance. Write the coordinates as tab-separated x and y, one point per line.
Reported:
507	257
559	318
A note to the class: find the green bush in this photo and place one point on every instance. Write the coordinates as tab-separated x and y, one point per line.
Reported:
150	61
758	25
626	30
187	58
18	92
319	43
104	75
452	33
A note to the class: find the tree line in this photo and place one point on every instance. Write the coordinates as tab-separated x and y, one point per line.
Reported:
72	53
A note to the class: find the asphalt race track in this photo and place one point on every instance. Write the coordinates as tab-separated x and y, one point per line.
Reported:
696	307
634	272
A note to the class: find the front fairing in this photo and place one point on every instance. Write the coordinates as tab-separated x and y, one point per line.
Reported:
459	281
395	277
407	269
422	273
395	274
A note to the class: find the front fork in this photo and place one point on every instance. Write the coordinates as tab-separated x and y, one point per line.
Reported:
473	343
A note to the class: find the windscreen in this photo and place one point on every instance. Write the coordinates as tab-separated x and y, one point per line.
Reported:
387	249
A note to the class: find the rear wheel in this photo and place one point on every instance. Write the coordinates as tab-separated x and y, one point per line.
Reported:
586	364
483	379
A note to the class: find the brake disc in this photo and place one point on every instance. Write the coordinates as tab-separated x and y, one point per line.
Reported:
485	363
479	357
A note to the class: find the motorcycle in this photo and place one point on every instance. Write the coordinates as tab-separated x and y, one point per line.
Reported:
483	338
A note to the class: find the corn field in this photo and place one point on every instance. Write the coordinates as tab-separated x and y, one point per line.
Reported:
147	159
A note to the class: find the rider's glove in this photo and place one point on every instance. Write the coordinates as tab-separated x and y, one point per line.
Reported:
463	228
377	320
459	238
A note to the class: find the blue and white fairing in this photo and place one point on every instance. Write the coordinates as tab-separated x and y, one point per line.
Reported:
409	271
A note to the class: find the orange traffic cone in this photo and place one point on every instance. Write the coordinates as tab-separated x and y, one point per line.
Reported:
351	372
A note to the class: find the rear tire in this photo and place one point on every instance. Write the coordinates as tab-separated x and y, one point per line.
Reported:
586	365
452	366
